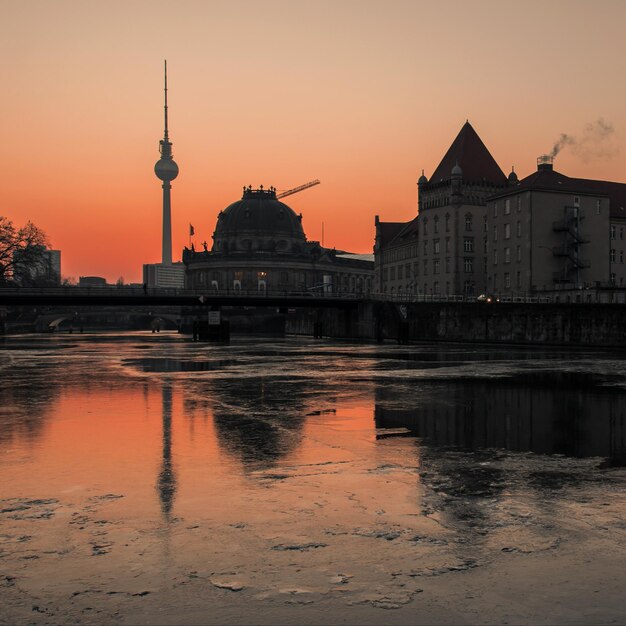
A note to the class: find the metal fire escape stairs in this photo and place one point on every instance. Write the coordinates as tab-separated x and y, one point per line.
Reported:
570	249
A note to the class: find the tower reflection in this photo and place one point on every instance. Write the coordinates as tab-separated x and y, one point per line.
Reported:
166	482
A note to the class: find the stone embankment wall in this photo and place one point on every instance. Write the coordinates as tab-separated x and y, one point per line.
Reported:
523	323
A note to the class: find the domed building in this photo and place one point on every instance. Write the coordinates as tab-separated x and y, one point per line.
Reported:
259	245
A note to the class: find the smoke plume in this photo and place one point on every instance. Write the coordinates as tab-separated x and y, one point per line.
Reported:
594	142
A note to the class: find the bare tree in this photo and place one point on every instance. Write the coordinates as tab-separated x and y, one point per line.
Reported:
20	248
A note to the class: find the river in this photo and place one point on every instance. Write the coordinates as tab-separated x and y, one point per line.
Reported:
149	479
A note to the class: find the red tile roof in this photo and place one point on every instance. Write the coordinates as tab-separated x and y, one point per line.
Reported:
473	158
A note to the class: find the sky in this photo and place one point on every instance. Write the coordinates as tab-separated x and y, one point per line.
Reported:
361	94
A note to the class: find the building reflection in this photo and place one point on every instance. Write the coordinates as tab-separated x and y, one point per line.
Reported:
257	421
166	482
25	407
551	416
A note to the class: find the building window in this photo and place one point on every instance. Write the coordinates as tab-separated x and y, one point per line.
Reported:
518	229
468	265
507	255
495	281
507	231
507	207
621	232
407	270
468	244
392	273
436	266
385	274
495	233
519	254
447	265
436	229
495	209
495	257
436	246
425	267
468	287
416	269
425	248
597	207
612	278
613	229
447	244
621	256
485	227
447	222
468	221
519	279
576	201
426	226
507	280
400	272
519	203
284	277
436	287
612	255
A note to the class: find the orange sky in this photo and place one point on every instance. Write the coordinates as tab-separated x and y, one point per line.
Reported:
359	94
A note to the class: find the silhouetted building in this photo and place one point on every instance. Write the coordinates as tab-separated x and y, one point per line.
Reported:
164	275
92	281
259	245
38	269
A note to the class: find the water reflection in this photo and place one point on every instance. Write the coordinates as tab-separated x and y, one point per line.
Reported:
258	421
166	483
546	414
25	406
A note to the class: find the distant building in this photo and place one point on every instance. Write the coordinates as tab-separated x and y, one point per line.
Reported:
164	275
40	269
92	281
259	245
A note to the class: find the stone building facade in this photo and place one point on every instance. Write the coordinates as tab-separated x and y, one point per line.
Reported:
442	250
552	232
259	245
478	231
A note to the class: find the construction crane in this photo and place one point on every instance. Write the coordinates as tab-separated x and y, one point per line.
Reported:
282	194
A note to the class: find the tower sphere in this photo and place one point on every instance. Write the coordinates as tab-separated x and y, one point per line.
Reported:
166	169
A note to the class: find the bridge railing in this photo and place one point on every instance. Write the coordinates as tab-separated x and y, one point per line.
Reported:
123	291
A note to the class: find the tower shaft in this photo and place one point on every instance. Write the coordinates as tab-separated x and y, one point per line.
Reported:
166	252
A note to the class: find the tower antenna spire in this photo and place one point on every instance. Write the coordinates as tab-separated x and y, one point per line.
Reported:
165	107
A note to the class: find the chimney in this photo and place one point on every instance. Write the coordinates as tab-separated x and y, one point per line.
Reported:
545	163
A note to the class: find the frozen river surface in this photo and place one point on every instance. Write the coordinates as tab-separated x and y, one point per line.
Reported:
145	479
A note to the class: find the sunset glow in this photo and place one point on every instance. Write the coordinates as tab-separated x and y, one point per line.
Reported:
359	94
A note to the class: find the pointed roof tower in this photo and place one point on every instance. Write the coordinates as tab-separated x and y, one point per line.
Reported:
470	154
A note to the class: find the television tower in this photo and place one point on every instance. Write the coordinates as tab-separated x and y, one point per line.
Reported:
166	170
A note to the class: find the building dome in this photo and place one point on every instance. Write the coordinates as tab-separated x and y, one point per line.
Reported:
422	179
457	172
512	178
258	222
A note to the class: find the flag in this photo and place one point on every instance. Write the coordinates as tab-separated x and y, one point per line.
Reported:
191	231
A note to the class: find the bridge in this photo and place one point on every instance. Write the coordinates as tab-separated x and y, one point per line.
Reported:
158	296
